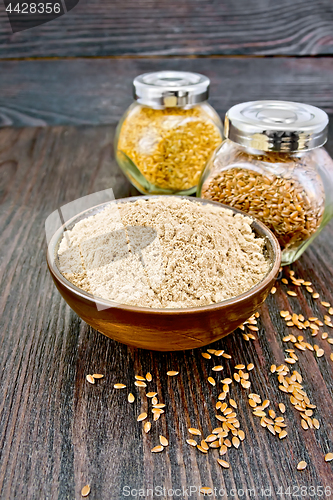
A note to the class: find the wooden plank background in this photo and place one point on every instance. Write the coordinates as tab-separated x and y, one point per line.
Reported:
189	27
63	87
57	432
97	91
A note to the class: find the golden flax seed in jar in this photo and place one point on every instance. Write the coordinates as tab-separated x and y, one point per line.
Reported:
272	165
166	136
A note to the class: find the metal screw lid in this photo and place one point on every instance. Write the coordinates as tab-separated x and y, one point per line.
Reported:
276	125
164	89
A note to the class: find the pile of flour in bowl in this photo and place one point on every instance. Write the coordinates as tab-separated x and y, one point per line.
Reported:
163	252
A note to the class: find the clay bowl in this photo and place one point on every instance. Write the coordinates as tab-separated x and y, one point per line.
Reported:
165	329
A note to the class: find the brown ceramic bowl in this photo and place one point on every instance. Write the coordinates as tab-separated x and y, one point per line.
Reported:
165	329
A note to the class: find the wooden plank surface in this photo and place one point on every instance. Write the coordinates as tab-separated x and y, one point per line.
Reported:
58	432
98	91
143	27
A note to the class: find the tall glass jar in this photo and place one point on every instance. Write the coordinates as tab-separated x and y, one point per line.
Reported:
272	165
165	137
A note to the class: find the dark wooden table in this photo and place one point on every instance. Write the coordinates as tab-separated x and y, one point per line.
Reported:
58	432
63	87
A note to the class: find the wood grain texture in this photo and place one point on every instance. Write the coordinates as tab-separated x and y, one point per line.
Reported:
144	27
95	92
58	432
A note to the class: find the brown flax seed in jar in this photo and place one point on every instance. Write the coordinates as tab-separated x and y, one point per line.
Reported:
272	166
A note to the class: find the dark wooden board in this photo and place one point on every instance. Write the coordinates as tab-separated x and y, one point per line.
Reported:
141	27
98	91
58	432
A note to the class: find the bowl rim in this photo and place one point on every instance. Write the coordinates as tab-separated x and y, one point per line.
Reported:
109	304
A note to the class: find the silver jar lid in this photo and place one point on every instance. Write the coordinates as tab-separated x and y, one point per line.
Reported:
164	89
276	125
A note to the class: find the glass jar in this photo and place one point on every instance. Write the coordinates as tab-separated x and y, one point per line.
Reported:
165	137
272	165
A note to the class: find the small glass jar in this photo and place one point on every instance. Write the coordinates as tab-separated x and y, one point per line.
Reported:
165	137
272	165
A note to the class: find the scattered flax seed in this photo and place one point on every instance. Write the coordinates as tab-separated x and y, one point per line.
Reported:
251	336
292	294
282	407
253	328
211	438
147	427
235	441
227	381
330	311
233	403
285	281
140	383
157	411
237	377
241	435
157	449
217	368
240	367
304	425
316	424
206	355
159	405
98	375
315	295
301	465
331	356
283	434
325	304
156	416
151	394
191	442
219	352
85	490
273	368
200	448
211	351
250	367
273	290
130	398
246	384
226	356
164	441
149	377
206	491
172	373
90	379
194	431
142	416
324	335
246	337
291	361
328	457
223	463
320	353
119	386
204	445
211	381
139	377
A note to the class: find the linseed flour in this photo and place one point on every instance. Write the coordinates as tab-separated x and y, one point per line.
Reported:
163	252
